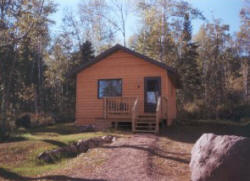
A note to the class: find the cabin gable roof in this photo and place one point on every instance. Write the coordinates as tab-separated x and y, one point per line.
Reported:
171	72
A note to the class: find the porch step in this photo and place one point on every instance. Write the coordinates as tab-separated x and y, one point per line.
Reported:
145	123
146	119
146	126
145	131
147	116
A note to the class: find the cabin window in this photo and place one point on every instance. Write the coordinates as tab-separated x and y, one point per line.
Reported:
109	88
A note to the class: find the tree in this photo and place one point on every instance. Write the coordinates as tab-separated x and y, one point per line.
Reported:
160	33
243	37
187	29
86	52
155	37
97	24
215	43
112	14
24	26
187	65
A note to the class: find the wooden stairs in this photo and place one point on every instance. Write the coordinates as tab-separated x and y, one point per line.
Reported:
145	123
126	109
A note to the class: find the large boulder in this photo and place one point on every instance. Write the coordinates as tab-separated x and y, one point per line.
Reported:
220	158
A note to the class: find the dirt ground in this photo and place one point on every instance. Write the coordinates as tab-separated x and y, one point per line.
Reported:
141	157
131	157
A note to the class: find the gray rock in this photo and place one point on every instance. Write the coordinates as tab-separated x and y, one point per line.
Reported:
46	156
82	146
95	142
73	149
70	149
108	139
220	158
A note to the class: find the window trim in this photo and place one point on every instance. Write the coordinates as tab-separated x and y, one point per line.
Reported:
98	87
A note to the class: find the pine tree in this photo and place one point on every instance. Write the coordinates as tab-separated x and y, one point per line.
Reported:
187	29
86	52
188	68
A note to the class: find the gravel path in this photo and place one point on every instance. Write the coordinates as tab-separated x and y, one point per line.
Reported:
140	157
129	159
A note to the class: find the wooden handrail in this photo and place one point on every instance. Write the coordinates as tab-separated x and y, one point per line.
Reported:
117	105
158	114
161	111
164	107
134	113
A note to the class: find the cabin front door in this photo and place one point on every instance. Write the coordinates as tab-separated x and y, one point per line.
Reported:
152	90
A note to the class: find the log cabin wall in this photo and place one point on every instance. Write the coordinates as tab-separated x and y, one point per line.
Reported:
131	70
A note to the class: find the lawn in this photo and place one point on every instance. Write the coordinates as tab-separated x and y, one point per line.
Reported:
19	154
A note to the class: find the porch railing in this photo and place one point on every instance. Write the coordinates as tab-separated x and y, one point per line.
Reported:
161	111
134	113
117	105
164	108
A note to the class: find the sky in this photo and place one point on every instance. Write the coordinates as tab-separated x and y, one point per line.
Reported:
226	10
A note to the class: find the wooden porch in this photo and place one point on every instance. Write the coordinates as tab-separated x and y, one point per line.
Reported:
126	109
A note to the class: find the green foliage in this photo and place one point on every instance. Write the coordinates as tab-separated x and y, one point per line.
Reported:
187	29
236	113
34	65
187	66
189	73
22	68
87	52
243	36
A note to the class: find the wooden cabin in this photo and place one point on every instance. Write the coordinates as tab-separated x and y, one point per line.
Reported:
121	85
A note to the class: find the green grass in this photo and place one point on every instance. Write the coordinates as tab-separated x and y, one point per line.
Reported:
19	155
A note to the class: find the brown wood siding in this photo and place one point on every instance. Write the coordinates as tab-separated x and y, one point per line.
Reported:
119	65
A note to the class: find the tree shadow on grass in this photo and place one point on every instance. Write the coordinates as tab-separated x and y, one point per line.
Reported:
5	174
56	143
13	139
59	129
153	151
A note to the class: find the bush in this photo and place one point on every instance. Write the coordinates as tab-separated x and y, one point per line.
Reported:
237	113
28	120
192	110
65	117
24	121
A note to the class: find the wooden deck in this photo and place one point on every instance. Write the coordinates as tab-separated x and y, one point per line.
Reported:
125	110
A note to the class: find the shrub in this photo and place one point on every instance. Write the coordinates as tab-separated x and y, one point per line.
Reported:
192	110
24	121
237	113
28	120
